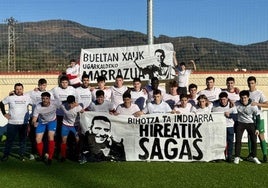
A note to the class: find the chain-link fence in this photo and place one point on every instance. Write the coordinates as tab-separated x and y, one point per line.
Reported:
47	46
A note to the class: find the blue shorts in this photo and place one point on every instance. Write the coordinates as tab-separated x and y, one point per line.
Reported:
50	126
66	129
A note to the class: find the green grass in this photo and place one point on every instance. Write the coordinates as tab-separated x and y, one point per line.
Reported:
14	173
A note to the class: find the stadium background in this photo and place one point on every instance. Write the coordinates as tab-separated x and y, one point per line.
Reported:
43	50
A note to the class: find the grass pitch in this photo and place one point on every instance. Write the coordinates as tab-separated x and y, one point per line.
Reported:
15	173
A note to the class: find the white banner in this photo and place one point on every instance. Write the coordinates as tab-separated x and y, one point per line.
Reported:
143	62
155	137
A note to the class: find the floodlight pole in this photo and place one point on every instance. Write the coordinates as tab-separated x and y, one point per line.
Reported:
150	22
11	65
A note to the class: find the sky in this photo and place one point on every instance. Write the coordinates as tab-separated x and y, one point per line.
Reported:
239	22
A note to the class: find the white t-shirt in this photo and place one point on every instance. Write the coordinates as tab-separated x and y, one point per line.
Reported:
122	110
184	110
107	94
18	108
183	77
246	114
83	96
117	95
198	110
70	114
212	95
46	113
36	97
233	96
230	120
137	94
175	98
106	106
257	96
61	94
152	108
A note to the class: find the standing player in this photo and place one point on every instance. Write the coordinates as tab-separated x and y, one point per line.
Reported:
101	86
231	90
211	92
193	94
72	73
156	106
118	90
184	107
246	115
224	105
84	98
83	93
44	118
138	94
260	101
172	96
36	99
182	74
203	105
150	88
17	120
71	110
127	107
60	94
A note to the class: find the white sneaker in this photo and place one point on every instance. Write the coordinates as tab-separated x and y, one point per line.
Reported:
46	157
256	160
31	157
236	160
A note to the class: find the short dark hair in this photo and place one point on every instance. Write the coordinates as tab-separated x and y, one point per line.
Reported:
70	99
210	78
126	95
251	78
192	86
243	93
119	76
99	93
42	81
64	78
223	95
72	60
157	91
101	78
85	76
18	84
183	95
230	79
136	80
46	94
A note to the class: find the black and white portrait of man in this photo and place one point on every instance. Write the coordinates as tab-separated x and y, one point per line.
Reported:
158	69
100	144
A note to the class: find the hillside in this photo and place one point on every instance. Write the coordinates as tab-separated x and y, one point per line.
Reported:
48	46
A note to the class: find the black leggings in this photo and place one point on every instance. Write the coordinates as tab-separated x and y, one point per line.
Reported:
240	128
